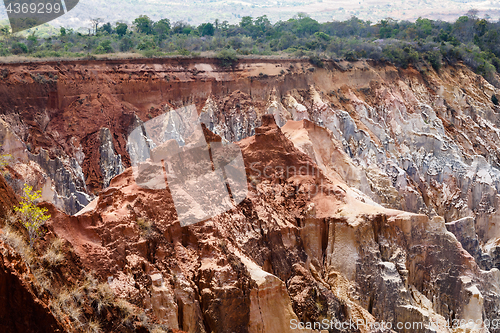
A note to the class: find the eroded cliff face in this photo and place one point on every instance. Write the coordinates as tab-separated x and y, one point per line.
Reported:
372	190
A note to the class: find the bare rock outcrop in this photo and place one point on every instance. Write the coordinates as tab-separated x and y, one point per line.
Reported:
372	192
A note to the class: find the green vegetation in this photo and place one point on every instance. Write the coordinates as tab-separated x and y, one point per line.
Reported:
31	216
227	57
470	39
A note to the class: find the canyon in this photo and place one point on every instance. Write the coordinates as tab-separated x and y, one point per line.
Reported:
373	194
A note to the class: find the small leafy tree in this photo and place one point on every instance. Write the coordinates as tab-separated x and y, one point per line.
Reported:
32	217
206	29
161	29
121	29
107	28
144	24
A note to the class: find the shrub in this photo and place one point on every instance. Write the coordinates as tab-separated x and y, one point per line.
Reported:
126	309
104	297
151	53
434	57
323	36
227	58
351	56
401	56
147	44
126	44
31	216
494	99
104	47
183	52
19	48
316	61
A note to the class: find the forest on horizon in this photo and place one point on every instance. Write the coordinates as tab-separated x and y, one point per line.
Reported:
471	39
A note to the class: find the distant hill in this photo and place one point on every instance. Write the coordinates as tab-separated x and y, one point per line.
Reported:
199	11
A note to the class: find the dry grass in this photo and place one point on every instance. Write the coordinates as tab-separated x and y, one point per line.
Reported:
127	311
158	330
93	326
90	282
16	240
43	281
67	303
54	255
125	307
77	295
75	313
105	293
26	59
103	297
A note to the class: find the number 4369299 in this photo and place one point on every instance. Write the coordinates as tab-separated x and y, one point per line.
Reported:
33	8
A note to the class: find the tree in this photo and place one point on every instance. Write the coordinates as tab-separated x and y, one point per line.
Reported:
31	216
107	27
263	23
424	27
306	26
385	30
63	31
144	24
181	28
95	23
121	29
161	28
32	39
472	13
146	44
206	29
246	22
